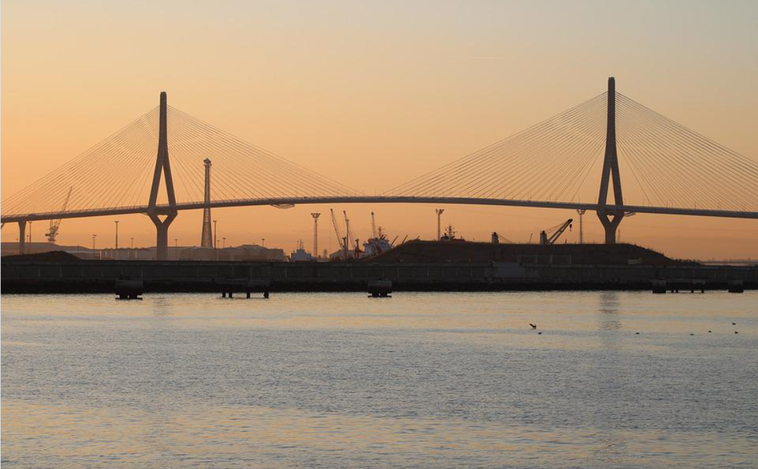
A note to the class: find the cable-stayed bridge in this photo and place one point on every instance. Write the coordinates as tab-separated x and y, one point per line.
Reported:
574	160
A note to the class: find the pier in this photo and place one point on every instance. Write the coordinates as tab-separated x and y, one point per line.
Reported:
188	276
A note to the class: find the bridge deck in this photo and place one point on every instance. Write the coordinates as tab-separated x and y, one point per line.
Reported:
164	209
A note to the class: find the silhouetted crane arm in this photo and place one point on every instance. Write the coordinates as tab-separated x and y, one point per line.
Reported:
348	233
55	225
558	232
340	239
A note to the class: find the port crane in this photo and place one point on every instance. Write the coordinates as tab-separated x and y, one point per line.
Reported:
341	241
498	238
52	232
551	235
349	234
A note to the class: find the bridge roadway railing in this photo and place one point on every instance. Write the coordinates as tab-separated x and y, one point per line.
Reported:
380	199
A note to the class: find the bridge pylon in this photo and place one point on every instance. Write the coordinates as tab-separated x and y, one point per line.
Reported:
206	237
610	219
162	166
22	237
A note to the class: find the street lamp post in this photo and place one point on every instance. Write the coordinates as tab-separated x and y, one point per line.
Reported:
581	213
116	222
215	235
439	220
132	245
93	243
263	242
215	239
224	245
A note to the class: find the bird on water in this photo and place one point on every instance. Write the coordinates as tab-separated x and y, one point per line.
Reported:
534	326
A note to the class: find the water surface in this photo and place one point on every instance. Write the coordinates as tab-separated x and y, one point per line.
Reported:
418	380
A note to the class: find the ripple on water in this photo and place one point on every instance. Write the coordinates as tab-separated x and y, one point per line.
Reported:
421	380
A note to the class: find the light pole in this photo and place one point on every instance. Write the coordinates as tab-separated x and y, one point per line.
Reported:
215	235
581	213
116	222
263	242
132	245
439	222
93	242
224	245
215	240
315	216
30	232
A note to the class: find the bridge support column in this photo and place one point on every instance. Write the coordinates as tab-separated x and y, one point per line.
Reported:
161	228
162	167
21	237
610	225
610	175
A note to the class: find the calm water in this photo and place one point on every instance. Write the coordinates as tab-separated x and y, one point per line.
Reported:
419	380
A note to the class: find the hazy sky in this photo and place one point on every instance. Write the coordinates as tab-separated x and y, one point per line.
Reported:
372	94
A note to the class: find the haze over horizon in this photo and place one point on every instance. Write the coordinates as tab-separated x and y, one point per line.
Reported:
372	95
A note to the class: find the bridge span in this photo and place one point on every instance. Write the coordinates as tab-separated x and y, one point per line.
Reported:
675	172
168	209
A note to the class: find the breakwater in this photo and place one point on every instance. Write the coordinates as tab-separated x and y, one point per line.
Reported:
99	276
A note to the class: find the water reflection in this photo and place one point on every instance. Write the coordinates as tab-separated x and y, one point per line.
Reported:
337	380
608	311
162	305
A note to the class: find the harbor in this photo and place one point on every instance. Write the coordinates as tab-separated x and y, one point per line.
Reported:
407	235
525	272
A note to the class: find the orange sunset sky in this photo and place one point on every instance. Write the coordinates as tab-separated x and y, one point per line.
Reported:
372	94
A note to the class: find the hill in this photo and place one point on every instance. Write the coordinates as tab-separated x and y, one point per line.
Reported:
462	252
